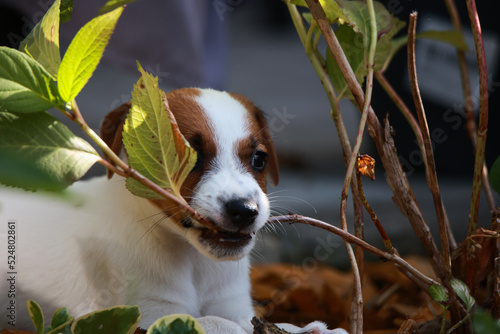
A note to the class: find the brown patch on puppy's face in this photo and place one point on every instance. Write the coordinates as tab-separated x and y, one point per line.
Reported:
258	147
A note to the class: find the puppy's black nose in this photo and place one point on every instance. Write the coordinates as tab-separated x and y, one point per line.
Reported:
242	212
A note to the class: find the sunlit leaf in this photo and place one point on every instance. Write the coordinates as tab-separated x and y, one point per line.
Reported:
25	86
331	8
151	137
48	144
113	4
42	44
84	53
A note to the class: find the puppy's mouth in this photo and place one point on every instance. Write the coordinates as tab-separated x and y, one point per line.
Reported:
221	238
226	238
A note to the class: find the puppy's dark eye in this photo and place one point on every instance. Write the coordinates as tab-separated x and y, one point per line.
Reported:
199	159
258	160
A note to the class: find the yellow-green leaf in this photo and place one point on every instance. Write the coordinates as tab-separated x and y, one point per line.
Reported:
331	8
155	146
42	44
84	53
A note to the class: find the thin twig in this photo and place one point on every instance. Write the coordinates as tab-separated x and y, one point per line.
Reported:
385	238
292	219
483	119
432	182
127	170
398	101
470	125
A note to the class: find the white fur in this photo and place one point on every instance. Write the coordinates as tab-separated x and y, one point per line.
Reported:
113	248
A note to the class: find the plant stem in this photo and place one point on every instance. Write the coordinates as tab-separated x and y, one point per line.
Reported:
398	101
376	221
458	324
292	219
483	119
470	126
318	64
431	175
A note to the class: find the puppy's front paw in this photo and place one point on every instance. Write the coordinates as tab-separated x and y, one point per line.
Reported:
316	327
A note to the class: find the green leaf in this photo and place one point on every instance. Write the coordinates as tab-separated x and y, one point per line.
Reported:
25	86
484	323
331	8
60	317
155	146
36	315
66	10
176	324
84	53
352	44
48	144
115	320
113	4
438	293
354	37
42	44
16	171
495	175
463	292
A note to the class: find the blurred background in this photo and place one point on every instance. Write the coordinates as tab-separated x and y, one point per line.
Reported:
252	48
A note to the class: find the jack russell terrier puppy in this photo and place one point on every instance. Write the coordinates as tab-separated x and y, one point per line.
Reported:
114	248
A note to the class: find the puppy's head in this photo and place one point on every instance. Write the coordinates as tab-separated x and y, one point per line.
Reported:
228	183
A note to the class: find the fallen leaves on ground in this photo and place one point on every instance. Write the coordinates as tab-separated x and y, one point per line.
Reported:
299	295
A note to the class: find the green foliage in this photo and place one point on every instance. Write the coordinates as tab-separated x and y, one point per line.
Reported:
495	175
36	315
484	323
61	322
25	86
438	293
84	53
48	144
354	37
17	171
66	10
155	146
115	320
176	324
42	44
354	34
463	292
113	4
331	8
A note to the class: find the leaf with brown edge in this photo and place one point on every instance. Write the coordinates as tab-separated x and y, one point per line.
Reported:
155	146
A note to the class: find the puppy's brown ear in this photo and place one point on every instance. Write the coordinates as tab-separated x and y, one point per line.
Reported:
111	131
